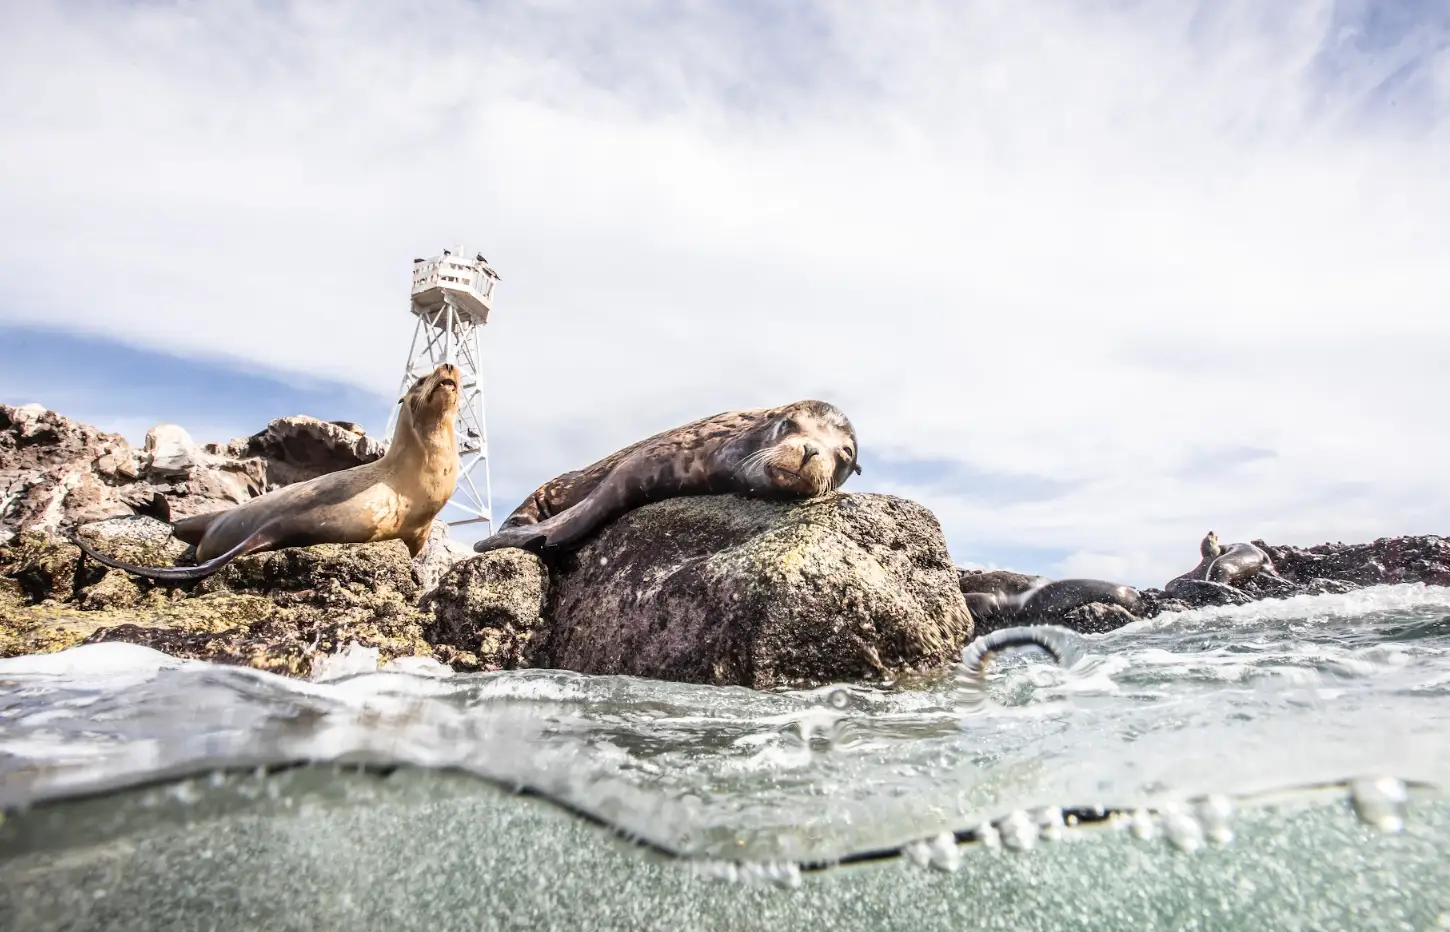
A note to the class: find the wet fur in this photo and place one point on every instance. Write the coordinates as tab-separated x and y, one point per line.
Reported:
392	498
800	450
1052	599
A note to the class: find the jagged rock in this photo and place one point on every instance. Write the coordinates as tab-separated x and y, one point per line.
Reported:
730	590
56	473
298	448
1387	560
170	452
488	612
438	556
1096	618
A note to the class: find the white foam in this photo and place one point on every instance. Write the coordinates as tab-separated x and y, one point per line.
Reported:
1386	598
109	660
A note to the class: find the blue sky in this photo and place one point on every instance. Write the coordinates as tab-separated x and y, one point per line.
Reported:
1090	279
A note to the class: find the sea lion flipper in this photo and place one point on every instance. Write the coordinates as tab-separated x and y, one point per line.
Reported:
265	536
524	537
158	507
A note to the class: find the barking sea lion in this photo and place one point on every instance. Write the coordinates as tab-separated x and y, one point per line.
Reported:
393	498
800	450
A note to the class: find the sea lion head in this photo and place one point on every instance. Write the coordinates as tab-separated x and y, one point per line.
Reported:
1210	548
432	402
806	448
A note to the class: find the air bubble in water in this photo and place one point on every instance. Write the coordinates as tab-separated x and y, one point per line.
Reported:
987	834
1141	825
1380	803
1181	829
1049	823
839	698
1214	813
940	852
1019	832
775	873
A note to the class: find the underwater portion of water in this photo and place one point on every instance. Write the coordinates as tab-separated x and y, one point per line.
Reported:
1187	723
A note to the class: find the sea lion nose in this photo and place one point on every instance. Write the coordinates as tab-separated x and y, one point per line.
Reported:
810	453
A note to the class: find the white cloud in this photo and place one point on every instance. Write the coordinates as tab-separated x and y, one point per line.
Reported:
1102	244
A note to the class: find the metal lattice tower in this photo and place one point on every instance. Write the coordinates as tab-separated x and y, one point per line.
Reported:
452	295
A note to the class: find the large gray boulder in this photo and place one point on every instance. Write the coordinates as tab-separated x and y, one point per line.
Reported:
736	591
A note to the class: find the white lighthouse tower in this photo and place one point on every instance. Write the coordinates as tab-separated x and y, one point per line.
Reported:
452	295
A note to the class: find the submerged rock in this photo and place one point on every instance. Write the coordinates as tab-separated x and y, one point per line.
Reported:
735	591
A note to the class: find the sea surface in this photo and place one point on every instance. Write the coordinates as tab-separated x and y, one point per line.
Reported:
1272	766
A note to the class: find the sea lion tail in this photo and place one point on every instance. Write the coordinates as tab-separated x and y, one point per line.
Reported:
259	539
1059	642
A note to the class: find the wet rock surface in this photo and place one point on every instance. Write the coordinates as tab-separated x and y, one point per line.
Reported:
735	591
489	612
1319	570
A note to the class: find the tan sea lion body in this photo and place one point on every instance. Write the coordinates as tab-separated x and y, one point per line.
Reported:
392	498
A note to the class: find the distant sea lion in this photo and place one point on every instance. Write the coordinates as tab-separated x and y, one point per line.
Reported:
392	498
1052	599
1224	568
799	450
1063	595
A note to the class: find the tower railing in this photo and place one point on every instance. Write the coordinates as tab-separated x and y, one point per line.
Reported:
451	299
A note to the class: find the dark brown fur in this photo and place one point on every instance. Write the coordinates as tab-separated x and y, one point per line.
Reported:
799	450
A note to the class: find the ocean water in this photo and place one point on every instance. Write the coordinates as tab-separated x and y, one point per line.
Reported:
1272	766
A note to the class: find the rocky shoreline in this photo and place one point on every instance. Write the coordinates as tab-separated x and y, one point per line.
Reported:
715	589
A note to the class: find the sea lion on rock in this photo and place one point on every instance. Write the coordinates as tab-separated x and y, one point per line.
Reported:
1061	596
1051	600
392	498
800	450
1222	569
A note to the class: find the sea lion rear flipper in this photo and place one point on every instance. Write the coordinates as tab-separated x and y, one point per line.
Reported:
159	507
263	537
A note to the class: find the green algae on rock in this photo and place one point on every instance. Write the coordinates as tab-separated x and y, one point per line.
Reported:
489	612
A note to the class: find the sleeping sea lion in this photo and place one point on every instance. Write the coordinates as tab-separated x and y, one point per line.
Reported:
395	497
799	450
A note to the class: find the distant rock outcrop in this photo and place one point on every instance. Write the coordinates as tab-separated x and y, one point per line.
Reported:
57	473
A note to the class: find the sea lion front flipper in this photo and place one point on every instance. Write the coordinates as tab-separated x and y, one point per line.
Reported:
262	537
523	537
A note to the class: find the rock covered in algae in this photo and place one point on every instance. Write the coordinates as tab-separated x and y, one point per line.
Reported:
489	612
275	611
735	591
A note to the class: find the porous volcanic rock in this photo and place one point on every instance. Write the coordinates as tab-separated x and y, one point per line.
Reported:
489	611
736	591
